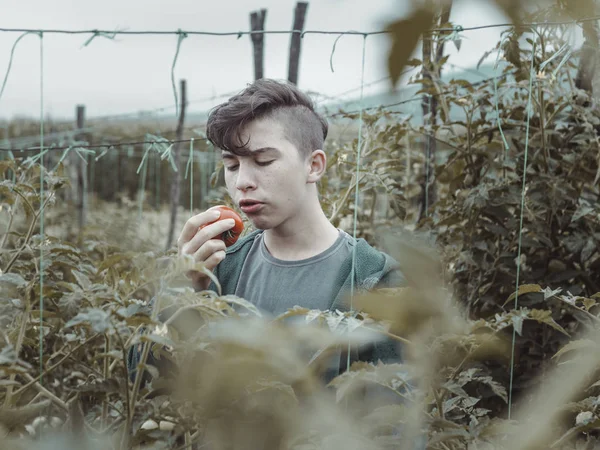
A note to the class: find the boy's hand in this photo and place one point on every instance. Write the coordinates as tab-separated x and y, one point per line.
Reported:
202	245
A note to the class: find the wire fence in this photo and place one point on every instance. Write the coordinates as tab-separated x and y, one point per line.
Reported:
71	141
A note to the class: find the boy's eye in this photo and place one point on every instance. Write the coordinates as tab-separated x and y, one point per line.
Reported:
231	168
263	163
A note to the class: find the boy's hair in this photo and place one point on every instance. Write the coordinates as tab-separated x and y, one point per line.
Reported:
267	98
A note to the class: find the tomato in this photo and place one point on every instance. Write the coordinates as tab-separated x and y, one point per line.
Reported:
230	236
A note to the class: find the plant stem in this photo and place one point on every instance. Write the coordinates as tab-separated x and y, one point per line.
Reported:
46	393
106	375
128	404
29	233
438	401
344	199
20	337
543	126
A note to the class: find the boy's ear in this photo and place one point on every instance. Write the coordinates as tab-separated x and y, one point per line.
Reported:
317	165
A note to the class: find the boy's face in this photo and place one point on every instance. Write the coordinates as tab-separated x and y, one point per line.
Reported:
274	175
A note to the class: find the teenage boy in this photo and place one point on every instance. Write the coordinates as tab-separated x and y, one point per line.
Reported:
271	141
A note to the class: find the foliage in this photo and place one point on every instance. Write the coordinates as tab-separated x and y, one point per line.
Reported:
487	270
237	370
485	135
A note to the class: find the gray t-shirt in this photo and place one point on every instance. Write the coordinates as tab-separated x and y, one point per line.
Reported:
274	285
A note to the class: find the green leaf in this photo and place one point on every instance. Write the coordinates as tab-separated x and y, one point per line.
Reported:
113	260
82	279
583	210
549	293
517	323
405	34
241	302
98	319
59	248
162	340
12	279
456	389
8	355
6	193
496	387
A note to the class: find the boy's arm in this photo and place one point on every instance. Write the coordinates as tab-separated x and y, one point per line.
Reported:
389	350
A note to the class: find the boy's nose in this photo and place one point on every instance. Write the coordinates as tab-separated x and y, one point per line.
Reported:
244	181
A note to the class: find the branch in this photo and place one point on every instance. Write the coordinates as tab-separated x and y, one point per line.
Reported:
345	199
46	393
55	365
29	232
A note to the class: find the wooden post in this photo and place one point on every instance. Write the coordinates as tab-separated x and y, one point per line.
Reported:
81	172
589	60
431	71
294	62
257	23
176	180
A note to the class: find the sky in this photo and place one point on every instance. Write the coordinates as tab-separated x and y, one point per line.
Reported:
132	73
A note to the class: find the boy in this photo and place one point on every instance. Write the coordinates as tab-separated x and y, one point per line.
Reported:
271	141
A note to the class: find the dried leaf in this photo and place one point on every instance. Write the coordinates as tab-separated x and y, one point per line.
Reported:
512	8
545	316
524	289
17	417
405	34
575	345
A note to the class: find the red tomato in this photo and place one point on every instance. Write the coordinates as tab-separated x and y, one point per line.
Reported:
230	236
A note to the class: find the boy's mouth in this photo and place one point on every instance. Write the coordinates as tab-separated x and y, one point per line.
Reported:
250	206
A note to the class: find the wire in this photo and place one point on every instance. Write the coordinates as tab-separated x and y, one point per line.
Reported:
95	119
92	146
239	34
42	212
418	99
529	111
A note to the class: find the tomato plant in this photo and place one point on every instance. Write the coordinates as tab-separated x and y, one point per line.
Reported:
230	236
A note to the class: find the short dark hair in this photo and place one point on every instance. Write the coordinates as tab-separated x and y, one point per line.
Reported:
267	98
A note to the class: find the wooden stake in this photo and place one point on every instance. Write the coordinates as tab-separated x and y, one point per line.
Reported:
81	173
257	23
294	62
176	180
432	72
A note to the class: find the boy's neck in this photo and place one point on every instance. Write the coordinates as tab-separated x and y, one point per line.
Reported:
302	237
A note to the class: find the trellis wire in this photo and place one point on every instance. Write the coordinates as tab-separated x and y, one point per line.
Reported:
356	190
239	34
529	110
42	208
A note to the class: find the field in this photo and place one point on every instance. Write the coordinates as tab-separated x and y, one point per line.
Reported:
493	215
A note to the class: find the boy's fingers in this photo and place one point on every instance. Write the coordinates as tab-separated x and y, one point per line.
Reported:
206	234
208	249
193	223
214	260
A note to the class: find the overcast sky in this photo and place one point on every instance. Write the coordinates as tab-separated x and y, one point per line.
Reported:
134	72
